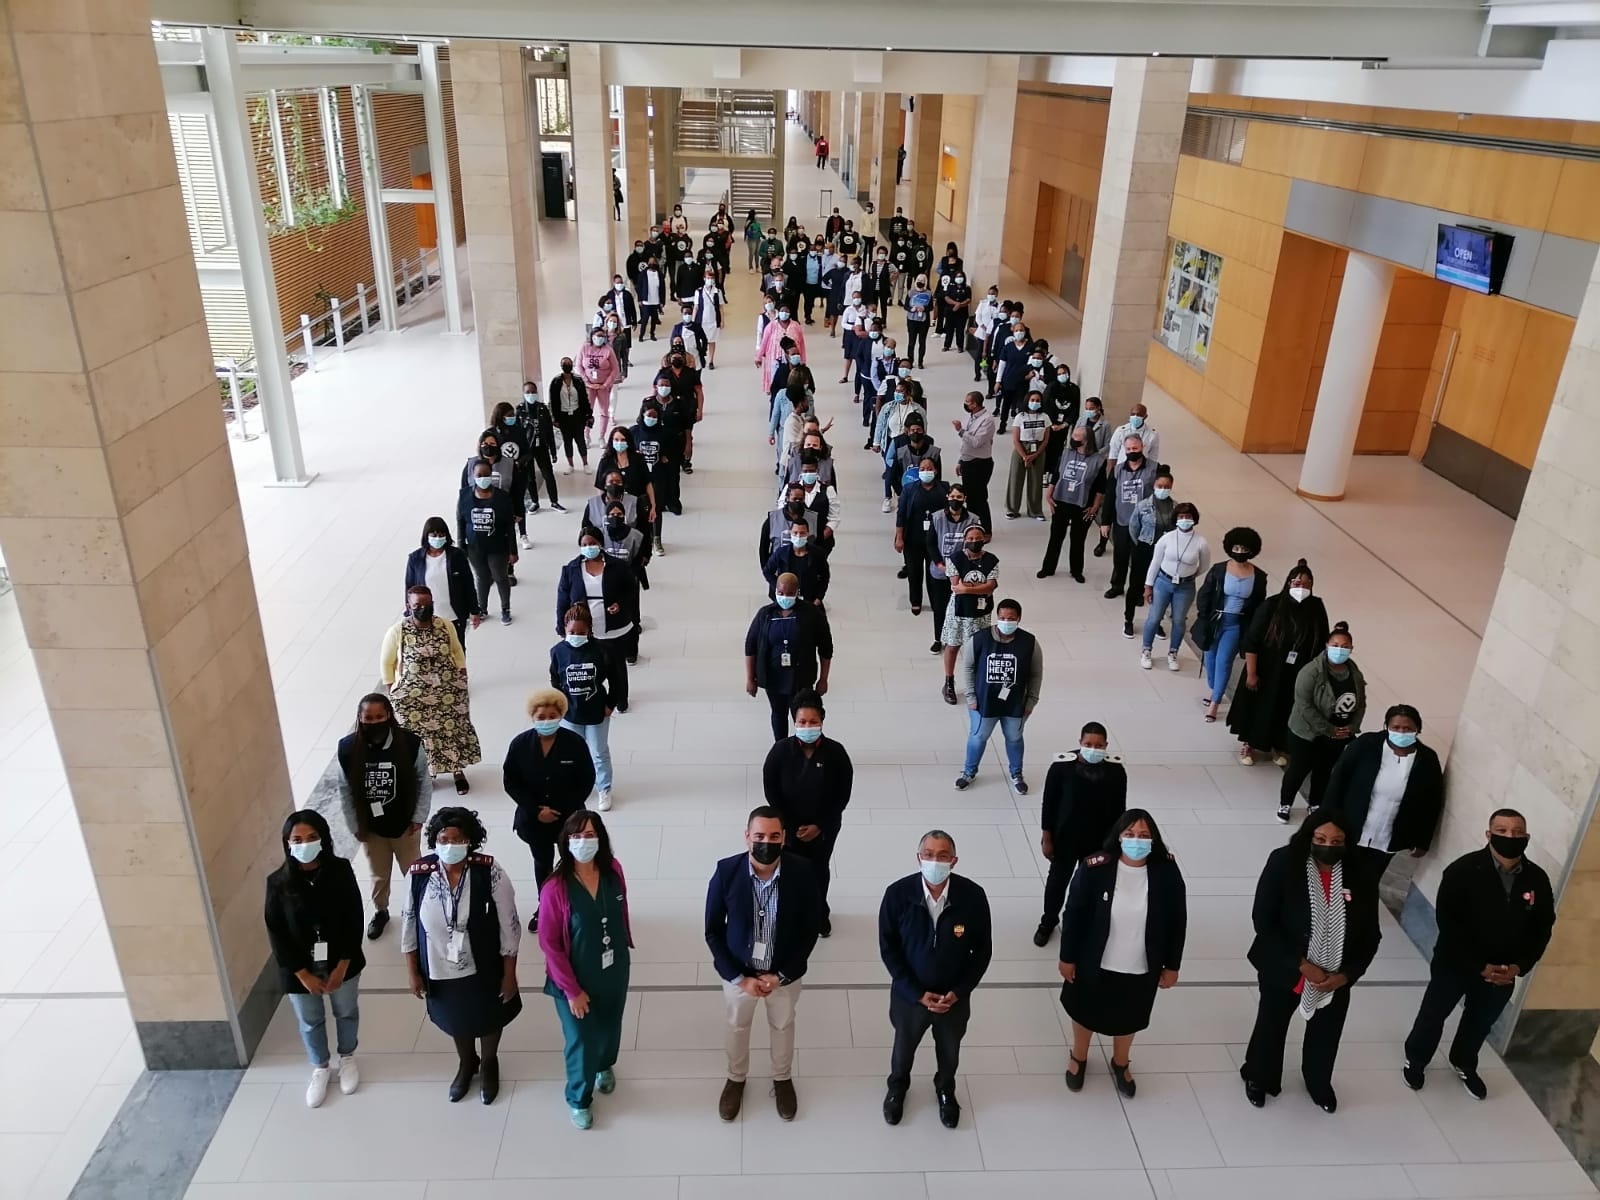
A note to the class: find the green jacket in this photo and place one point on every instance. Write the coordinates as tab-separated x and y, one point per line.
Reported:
1313	713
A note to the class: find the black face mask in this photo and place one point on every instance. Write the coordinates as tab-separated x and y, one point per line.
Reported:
566	368
957	507
1078	446
616	527
974	549
422	612
1508	847
766	853
795	510
1239	556
1327	856
1135	459
676	361
614	490
375	735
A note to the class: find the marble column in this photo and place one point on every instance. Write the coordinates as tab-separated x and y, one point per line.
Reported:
849	132
888	151
922	167
994	118
591	170
866	145
122	531
836	120
1144	128
668	177
821	105
1528	736
497	192
639	209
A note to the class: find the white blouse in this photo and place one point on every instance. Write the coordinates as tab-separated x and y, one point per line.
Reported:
1181	555
437	906
1130	905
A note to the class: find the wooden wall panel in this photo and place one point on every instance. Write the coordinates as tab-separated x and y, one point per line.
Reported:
1288	353
1059	141
1320	155
1539	360
1575	206
1491	335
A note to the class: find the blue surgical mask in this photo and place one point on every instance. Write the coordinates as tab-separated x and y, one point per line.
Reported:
936	872
437	541
808	477
663	390
1092	754
1185	523
547	728
927	476
305	851
590	552
1007	626
904	372
1136	421
577	639
1136	848
1402	741
619	447
794	360
511	419
808	733
583	849
650	422
1034	405
799	540
451	853
786	601
783	314
1338	654
1163	493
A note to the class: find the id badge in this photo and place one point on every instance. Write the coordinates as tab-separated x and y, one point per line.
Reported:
377	808
759	950
457	948
608	959
1293	655
1005	691
319	952
784	660
927	524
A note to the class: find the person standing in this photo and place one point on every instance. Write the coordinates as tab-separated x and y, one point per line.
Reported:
947	531
610	591
1085	794
585	674
1330	698
1285	636
548	774
1128	484
442	567
1137	426
587	939
425	670
313	918
385	792
1390	788
1228	600
913	521
1122	941
597	363
1025	480
539	426
651	287
976	464
1002	671
1176	560
974	575
1316	932
569	399
763	918
936	941
486	521
788	650
807	563
808	779
1495	910
1073	500
460	936
1152	519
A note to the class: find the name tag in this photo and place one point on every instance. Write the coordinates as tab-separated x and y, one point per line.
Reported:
377	808
927	524
1291	657
784	660
759	950
319	952
1005	691
608	959
456	950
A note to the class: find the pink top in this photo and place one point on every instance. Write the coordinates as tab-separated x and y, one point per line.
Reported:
555	930
598	365
770	351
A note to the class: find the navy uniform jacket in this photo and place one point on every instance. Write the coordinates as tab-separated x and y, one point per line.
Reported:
463	595
1087	926
921	958
1282	918
731	918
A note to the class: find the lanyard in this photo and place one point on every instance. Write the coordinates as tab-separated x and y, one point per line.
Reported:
452	915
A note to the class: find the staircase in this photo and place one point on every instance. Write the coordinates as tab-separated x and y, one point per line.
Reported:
726	122
751	189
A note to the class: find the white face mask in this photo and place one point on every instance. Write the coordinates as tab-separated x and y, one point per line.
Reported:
451	853
1298	594
936	872
305	851
583	849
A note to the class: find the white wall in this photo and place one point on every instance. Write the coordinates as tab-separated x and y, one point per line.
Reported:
767	70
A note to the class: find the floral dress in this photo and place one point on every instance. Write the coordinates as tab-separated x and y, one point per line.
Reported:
430	698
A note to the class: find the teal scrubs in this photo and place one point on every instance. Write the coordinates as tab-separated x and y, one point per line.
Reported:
592	1044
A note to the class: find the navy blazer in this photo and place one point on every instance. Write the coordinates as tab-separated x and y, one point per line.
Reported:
921	958
457	573
1087	926
731	918
1282	918
618	585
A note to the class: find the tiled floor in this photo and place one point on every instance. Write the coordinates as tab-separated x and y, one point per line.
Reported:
387	428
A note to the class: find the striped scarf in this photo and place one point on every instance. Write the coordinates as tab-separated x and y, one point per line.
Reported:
1327	933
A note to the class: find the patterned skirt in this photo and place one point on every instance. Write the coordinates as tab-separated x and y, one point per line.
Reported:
430	699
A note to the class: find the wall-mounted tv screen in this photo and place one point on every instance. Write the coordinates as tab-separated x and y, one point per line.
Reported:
1472	258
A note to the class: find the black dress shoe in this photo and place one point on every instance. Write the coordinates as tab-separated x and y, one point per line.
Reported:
936	646
901	573
1042	934
1326	1100
1113	592
1077	578
376	926
489	1080
949	1109
533	922
1256	1094
463	1079
827	927
894	1106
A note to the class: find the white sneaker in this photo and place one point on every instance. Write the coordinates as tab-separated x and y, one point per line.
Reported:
1144	659
317	1089
1172	662
349	1074
605	800
660	551
527	542
888	504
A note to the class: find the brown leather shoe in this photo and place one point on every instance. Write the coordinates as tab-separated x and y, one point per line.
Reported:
788	1102
732	1097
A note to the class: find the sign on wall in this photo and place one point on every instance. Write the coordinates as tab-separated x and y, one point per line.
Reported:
1189	304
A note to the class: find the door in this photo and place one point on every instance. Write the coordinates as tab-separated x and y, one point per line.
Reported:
553	181
1042	263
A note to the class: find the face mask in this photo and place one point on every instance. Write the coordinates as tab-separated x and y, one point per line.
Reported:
482	482
1298	594
1134	459
799	540
994	295
1092	754
1034	406
422	612
1136	848
451	853
768	307
783	314
1239	556
305	851
616	527
547	728
1506	846
566	368
511	419
794	360
904	372
650	422
960	279
766	853
808	733
583	849
957	507
1327	856
619	447
436	542
926	476
974	549
1338	654
591	551
1036	363
375	735
808	477
785	602
577	639
598	340
874	335
1402	741
614	490
1185	523
1018	338
1007	627
1061	379
1092	415
936	873
1136	421
663	390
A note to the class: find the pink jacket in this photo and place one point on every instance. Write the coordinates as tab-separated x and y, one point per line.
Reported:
771	350
599	367
555	930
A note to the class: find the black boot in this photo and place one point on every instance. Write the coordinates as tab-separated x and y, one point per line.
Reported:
489	1080
1042	934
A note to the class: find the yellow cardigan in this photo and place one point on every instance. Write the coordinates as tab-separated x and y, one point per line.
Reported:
389	656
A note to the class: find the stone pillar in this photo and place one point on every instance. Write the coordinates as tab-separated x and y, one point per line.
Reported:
849	131
888	152
1352	349
922	167
492	130
836	123
122	531
780	158
866	145
668	178
591	170
1529	732
1149	100
639	209
444	209
822	106
992	124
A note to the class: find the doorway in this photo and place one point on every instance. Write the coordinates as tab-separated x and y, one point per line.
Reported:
1043	262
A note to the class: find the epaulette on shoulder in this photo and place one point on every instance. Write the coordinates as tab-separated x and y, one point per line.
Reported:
424	866
1069	756
1114	758
480	860
1095	860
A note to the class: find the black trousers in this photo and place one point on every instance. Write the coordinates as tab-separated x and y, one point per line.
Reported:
1263	1059
975	476
813	293
1064	519
461	631
819	853
616	650
939	594
649	319
1010	402
1314	758
1121	553
542	462
910	1022
543	850
779	702
490	568
1138	567
916	559
1484	1002
573	435
916	343
1055	886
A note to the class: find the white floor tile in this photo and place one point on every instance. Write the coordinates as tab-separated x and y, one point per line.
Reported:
1032	1123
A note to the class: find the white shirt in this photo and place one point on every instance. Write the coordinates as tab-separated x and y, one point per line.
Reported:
594	593
438	583
1130	905
936	906
1394	770
1181	555
1147	433
434	915
652	287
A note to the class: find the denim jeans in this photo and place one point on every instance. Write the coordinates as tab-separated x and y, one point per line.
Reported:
978	738
1219	659
313	1018
599	739
1166	593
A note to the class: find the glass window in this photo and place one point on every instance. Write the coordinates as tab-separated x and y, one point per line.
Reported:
1189	304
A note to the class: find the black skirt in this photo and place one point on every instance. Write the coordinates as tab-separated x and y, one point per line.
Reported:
1111	1003
470	1007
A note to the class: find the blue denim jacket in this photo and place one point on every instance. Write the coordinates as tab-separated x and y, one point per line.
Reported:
1142	525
